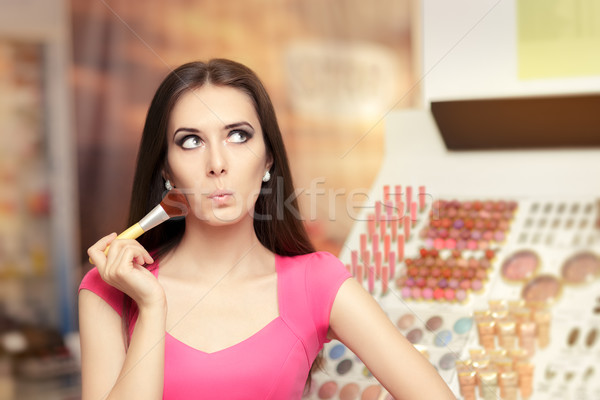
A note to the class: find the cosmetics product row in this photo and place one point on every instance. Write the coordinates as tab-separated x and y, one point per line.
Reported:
491	291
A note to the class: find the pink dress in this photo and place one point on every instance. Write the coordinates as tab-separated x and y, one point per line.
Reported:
271	364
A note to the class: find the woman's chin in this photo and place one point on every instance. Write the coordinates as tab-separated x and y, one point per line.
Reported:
223	216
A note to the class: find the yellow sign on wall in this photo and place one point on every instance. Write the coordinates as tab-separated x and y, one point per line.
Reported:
559	38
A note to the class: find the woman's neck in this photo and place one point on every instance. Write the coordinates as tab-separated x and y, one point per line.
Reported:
213	251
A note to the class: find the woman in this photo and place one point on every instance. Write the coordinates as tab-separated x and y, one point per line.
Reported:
233	302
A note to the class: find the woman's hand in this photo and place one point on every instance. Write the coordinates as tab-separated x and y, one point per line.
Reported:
123	268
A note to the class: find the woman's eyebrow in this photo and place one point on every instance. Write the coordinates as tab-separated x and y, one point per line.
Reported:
191	130
239	124
226	127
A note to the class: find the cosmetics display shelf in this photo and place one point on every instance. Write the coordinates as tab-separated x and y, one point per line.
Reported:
440	328
547	255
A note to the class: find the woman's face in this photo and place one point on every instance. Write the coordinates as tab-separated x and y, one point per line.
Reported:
216	153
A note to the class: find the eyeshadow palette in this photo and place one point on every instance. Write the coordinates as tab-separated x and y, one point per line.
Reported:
468	224
558	223
443	278
439	337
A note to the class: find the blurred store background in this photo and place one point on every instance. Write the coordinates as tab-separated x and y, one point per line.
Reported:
332	68
76	79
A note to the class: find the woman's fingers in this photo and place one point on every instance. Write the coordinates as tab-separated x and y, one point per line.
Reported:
120	263
96	251
148	258
123	254
124	270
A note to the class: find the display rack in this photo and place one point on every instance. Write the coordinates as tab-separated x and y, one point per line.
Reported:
554	216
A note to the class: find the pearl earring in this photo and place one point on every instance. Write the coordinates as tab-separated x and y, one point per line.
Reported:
168	185
266	177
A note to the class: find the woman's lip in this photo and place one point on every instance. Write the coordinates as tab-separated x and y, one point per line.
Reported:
219	194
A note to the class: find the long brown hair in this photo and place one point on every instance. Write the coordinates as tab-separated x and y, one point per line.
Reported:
276	221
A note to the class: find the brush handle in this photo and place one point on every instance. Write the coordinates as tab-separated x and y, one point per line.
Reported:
133	232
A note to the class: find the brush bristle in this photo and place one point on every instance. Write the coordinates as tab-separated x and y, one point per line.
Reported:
175	204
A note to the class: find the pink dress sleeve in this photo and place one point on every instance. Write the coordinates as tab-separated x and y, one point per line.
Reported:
324	276
94	283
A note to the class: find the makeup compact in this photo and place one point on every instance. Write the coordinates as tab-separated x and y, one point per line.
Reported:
582	267
520	266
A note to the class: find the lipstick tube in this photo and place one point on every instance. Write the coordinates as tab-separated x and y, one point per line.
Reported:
360	273
407	224
386	247
389	209
371	278
386	192
382	225
413	214
400	248
385	276
394	227
363	245
398	196
377	256
354	261
422	198
375	244
371	225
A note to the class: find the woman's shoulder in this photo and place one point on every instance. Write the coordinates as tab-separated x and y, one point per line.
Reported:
317	264
93	282
312	281
314	258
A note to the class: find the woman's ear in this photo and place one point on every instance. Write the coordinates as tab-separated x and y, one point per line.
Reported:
269	162
166	175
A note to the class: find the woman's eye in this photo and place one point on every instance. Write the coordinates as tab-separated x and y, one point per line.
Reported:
190	142
238	137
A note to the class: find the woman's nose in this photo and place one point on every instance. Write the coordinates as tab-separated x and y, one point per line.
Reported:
216	161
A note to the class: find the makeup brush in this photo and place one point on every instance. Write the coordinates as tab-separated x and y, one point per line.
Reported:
174	204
